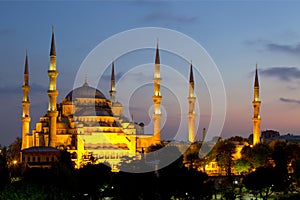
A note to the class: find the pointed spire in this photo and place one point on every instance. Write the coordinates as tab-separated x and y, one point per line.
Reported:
256	84
52	50
112	78
157	61
191	74
26	71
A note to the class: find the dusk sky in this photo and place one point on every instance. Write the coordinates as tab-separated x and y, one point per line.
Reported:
236	35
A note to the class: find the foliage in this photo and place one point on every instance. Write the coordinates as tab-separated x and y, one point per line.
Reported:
242	165
14	149
4	172
261	182
224	151
90	178
257	156
155	147
191	156
27	190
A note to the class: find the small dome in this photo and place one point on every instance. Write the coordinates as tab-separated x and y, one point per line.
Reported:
85	91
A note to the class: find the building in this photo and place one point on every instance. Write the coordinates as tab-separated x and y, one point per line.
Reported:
256	111
87	124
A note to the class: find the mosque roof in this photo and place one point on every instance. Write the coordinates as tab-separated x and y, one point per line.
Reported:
85	91
40	149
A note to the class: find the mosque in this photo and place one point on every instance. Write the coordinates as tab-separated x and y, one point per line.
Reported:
88	124
92	127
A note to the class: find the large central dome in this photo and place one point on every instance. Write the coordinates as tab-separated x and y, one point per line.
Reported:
85	91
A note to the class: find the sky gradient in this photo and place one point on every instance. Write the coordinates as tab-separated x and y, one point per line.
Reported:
236	35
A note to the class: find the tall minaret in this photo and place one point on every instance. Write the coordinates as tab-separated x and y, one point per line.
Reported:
25	105
191	114
52	93
256	114
112	91
156	116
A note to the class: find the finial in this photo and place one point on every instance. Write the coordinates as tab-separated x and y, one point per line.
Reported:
112	71
26	63
85	80
256	83
157	60
52	50
191	73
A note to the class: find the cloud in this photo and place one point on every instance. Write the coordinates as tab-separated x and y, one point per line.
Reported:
17	89
275	47
282	73
159	16
287	100
107	77
295	48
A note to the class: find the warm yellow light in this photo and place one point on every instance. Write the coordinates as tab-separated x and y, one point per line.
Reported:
15	162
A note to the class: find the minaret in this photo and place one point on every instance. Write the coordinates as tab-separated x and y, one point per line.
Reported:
256	114
191	100
25	105
112	91
52	93
156	116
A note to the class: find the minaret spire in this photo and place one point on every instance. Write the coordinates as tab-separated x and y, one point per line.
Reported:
256	83
26	71
157	60
112	91
53	49
52	93
25	104
256	110
191	100
156	97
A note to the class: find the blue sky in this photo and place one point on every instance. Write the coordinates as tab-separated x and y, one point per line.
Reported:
237	35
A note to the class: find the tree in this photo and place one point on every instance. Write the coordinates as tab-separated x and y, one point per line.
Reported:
14	149
4	172
92	177
191	156
259	155
261	182
224	151
242	165
155	147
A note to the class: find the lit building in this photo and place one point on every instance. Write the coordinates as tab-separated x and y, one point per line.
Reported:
256	111
85	123
89	126
191	100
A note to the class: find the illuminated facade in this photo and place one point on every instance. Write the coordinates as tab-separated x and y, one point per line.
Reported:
25	105
191	114
89	126
256	111
156	98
